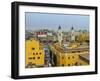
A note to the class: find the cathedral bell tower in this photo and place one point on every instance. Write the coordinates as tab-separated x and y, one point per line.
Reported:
72	35
60	35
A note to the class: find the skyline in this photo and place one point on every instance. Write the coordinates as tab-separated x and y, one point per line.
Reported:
36	21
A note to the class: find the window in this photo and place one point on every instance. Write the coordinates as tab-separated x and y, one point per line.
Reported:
30	57
33	64
62	57
38	57
30	64
68	57
73	52
73	57
68	64
62	64
33	48
40	53
36	53
76	63
33	53
33	57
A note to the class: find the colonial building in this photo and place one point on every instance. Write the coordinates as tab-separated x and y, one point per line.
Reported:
34	53
71	54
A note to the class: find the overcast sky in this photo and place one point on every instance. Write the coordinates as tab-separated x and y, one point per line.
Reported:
35	21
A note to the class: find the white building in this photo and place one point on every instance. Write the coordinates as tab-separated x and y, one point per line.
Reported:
60	35
72	34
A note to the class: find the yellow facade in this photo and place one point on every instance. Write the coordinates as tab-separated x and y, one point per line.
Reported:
83	37
69	57
34	54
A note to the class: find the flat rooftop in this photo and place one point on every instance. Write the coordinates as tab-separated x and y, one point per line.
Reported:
72	50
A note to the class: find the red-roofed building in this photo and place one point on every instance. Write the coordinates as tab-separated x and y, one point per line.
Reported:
41	34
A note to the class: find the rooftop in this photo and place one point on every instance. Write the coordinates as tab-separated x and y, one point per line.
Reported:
70	50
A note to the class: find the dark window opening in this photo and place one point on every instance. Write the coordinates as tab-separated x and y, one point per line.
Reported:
62	57
68	57
62	64
38	57
30	57
30	63
33	64
73	51
33	57
33	53
76	63
33	48
68	64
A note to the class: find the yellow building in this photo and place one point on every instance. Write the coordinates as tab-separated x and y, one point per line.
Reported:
71	56
83	37
72	53
34	53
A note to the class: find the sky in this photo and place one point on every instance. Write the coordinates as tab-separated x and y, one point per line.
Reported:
36	21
